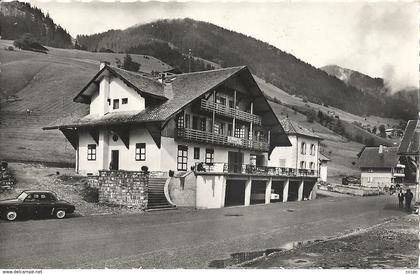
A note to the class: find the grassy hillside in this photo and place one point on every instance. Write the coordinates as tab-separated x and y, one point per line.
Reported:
170	41
46	84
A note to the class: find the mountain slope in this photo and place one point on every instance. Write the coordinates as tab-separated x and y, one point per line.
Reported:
17	18
356	79
229	48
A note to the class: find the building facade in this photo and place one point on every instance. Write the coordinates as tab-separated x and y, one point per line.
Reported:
380	167
215	124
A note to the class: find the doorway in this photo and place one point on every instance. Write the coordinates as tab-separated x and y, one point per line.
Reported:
115	155
235	160
235	192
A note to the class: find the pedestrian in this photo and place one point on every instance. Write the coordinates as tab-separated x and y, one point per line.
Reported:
401	198
408	197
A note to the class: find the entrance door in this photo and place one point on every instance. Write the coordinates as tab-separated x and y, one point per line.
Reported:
114	160
235	160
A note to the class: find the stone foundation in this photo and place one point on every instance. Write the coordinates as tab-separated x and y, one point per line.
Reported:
126	188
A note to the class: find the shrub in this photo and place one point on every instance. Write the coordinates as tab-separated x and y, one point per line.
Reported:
145	168
10	48
4	164
171	173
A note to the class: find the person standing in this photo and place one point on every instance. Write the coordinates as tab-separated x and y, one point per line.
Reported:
408	197
401	198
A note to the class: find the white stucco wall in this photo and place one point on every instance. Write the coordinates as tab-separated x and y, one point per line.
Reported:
284	156
323	172
114	88
211	191
376	179
87	166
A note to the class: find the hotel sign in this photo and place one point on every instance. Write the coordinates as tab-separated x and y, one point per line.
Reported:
234	140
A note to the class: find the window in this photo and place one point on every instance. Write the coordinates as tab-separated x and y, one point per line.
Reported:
182	158
180	121
303	148
91	152
209	156
312	165
216	128
302	164
222	128
116	104
312	149
240	132
187	121
203	124
196	153
124	101
140	152
221	100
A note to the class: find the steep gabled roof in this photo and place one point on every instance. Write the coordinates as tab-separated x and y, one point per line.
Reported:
410	141
371	158
143	85
294	128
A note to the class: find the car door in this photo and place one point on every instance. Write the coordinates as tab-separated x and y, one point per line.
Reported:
45	206
28	206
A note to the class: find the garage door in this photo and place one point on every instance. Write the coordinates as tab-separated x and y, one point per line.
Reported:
235	192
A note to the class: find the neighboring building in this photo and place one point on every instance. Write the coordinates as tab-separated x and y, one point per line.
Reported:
303	154
380	167
216	124
323	167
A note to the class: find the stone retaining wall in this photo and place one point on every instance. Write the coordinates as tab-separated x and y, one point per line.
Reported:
126	188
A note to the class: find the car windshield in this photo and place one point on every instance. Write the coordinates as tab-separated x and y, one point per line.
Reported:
22	196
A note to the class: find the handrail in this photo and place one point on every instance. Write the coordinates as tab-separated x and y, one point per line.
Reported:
214	138
230	112
220	167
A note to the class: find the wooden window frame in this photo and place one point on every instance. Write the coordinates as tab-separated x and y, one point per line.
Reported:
209	156
140	153
182	158
91	152
196	153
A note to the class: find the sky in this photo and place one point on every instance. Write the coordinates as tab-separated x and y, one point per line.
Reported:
380	39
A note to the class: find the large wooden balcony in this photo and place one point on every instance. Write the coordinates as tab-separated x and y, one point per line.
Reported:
218	139
230	112
247	169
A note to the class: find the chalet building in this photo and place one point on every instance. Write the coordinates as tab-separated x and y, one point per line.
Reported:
214	130
380	167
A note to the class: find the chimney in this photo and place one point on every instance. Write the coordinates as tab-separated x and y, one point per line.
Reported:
381	149
102	64
167	90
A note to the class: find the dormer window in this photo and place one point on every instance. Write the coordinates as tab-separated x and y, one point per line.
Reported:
124	101
116	104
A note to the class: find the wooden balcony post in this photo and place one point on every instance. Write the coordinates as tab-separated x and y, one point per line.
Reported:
286	190
234	113
268	190
251	133
214	111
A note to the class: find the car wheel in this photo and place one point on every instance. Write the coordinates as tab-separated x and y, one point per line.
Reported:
60	214
11	215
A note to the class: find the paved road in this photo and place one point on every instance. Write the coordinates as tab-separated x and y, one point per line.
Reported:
182	238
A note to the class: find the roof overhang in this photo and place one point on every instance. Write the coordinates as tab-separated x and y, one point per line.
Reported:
84	96
410	142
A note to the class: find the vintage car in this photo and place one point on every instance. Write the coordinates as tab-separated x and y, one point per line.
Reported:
35	203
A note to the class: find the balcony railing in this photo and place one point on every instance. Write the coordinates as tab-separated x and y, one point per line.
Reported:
230	112
218	139
253	170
